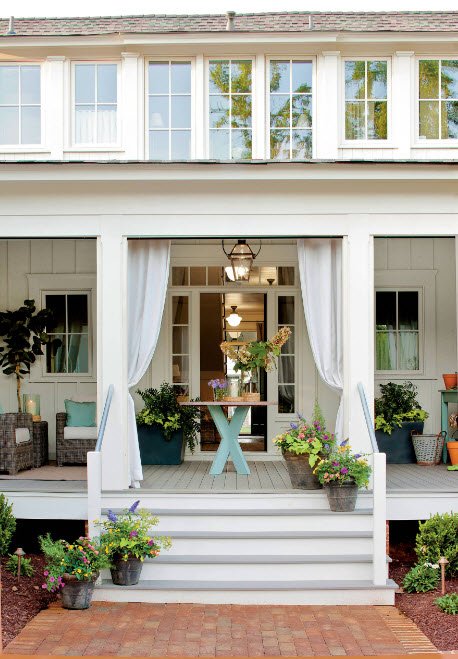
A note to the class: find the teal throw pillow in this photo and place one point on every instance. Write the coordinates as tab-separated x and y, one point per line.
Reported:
80	414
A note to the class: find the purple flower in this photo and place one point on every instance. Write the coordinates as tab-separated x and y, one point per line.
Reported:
111	516
46	573
151	542
336	464
358	455
133	507
344	442
344	470
51	579
326	446
132	534
299	416
293	426
325	436
44	586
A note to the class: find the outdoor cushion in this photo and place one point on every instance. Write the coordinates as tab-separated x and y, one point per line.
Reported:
80	414
82	432
22	435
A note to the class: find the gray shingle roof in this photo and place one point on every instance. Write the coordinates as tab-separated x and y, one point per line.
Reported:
409	21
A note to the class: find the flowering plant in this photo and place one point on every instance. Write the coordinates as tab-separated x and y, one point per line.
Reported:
343	467
219	388
257	353
83	558
128	534
303	438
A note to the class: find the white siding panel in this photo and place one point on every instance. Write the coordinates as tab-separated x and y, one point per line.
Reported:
18	268
3	275
41	256
421	253
399	254
64	256
380	253
86	256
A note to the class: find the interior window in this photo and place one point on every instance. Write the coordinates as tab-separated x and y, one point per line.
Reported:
286	360
96	103
397	330
71	325
20	104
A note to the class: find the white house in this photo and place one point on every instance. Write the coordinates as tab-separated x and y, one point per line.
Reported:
295	132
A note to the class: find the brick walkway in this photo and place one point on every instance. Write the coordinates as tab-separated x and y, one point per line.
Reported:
197	630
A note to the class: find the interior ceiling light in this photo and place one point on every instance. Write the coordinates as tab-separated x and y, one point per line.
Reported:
234	319
241	258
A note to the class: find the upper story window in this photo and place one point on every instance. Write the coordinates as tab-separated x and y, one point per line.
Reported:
290	109
95	104
20	104
169	110
397	339
230	109
366	99
71	326
438	99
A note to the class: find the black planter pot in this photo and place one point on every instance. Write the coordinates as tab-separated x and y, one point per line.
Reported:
342	498
398	446
300	472
155	450
77	594
126	572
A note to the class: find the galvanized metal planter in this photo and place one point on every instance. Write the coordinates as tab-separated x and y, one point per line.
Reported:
342	498
77	594
126	572
300	472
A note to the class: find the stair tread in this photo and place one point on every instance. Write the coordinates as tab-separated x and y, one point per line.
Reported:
263	560
248	512
179	584
267	535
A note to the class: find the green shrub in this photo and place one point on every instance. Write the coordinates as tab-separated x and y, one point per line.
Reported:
396	405
448	603
53	550
422	578
27	569
7	524
437	537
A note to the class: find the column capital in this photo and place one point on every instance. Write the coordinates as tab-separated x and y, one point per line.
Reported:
330	53
128	55
56	58
404	53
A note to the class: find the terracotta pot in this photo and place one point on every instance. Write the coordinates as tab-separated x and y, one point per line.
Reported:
77	594
450	380
300	472
342	498
452	448
126	572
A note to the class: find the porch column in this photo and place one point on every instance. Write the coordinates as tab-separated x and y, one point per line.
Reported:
358	334
112	355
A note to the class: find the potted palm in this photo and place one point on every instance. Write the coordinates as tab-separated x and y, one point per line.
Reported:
397	414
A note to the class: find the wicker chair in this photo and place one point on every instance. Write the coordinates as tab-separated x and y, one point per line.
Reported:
72	444
16	450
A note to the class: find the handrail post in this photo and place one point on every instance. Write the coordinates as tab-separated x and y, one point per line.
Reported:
379	519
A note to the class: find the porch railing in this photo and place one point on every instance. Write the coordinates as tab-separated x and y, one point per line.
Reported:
103	421
379	498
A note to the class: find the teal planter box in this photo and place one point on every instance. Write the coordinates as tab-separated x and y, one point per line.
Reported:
399	446
155	450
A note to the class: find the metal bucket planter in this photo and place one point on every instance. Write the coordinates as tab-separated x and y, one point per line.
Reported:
342	498
300	472
126	572
77	594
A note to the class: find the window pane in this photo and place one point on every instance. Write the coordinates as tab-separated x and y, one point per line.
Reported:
31	125
77	313
241	77
84	124
219	144
286	369
286	394
215	276
354	120
285	276
280	76
182	392
158	78
56	303
241	111
159	112
286	310
355	80
429	78
385	310
385	351
56	357
280	144
107	83
181	77
180	340
288	347
9	125
179	276
78	353
429	119
377	79
180	367
219	77
9	84
181	112
302	77
30	84
280	111
180	314
198	276
106	124
302	144
268	276
449	119
408	310
408	351
84	83
377	120
241	144
159	145
219	111
302	111
181	144
449	79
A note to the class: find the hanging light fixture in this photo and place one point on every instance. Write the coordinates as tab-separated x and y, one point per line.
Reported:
234	319
241	258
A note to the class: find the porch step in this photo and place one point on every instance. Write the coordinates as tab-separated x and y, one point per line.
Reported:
268	559
246	512
267	535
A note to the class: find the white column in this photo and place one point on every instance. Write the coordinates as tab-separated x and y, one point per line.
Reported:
358	334
402	103
112	354
131	107
259	107
327	115
200	105
53	106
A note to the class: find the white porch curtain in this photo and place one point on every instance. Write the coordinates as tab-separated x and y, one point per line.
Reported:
147	277
320	268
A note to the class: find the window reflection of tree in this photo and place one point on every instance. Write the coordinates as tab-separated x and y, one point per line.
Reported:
366	110
438	87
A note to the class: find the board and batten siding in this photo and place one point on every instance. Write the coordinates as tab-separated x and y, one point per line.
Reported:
18	259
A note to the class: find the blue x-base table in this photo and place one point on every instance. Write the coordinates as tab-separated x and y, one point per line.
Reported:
229	432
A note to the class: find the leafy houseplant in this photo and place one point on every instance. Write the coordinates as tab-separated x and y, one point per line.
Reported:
127	542
422	578
7	524
257	354
438	536
18	328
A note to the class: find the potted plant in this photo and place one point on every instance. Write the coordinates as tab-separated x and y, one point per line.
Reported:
342	474
126	540
302	446
74	568
219	388
450	380
397	413
165	427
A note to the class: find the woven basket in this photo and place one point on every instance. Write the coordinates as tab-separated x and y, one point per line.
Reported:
428	448
232	399
251	398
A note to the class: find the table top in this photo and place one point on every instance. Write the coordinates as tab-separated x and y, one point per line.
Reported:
226	403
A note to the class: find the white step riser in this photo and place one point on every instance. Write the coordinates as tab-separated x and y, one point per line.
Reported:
205	523
276	546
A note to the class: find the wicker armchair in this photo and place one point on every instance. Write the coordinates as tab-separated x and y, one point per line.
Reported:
16	451
72	449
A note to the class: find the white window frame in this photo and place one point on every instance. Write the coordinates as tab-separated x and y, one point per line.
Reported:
41	285
231	58
192	61
420	142
96	146
180	292
366	143
422	281
30	148
301	58
290	292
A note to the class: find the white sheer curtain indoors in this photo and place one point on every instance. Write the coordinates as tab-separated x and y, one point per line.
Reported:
147	277
320	269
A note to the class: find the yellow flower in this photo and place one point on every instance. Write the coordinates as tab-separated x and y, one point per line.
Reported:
106	550
78	570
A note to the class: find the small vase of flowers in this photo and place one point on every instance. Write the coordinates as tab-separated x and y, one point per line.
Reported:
219	389
343	473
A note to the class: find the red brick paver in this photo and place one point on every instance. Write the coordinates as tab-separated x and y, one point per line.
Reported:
204	630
